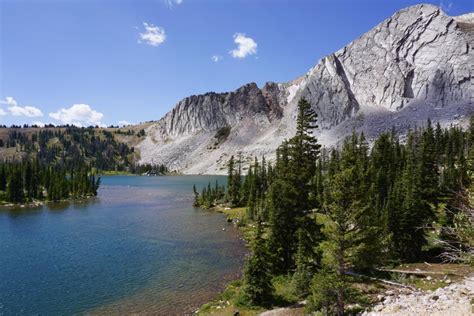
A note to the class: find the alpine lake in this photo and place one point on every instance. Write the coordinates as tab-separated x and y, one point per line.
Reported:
138	247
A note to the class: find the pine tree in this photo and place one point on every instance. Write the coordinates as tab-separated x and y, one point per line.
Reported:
325	287
351	226
257	285
233	183
302	276
3	178
415	212
429	172
196	196
289	195
304	152
282	200
15	188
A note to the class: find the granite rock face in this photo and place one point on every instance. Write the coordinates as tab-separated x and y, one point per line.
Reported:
212	111
420	58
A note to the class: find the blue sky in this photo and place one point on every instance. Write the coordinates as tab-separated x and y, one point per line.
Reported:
105	61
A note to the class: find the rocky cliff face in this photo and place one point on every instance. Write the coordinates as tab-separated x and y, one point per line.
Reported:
212	111
419	63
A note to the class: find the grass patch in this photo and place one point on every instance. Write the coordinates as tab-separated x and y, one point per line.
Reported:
284	290
235	213
225	303
428	277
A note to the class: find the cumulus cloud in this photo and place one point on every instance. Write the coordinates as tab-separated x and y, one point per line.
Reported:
79	115
245	46
16	110
153	35
29	111
124	123
2	112
216	58
9	101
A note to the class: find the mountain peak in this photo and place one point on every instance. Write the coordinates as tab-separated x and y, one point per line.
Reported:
414	65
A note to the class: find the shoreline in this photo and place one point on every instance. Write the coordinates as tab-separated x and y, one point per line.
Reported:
426	285
39	203
233	217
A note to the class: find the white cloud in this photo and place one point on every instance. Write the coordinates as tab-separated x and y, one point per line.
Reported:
153	35
29	111
16	110
9	101
216	58
2	112
445	7
170	3
245	46
79	115
124	123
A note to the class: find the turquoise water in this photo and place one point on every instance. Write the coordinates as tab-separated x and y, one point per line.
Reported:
139	247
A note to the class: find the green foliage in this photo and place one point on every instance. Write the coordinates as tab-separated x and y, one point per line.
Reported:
28	181
329	213
351	227
324	293
257	286
15	186
281	203
289	194
71	146
141	133
301	280
234	179
210	196
150	169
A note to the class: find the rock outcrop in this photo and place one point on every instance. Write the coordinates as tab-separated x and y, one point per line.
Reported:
419	63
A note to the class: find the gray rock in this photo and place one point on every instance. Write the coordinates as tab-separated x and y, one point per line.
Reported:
434	297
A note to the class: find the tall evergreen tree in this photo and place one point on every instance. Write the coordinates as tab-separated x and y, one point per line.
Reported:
351	226
289	196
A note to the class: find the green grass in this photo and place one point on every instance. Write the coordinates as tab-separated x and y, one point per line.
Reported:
235	213
438	274
226	303
284	290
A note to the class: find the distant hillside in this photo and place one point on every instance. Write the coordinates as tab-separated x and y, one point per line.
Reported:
102	149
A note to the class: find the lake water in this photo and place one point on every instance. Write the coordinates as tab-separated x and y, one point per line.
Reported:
139	247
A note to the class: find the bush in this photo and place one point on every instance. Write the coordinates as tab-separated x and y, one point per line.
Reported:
222	134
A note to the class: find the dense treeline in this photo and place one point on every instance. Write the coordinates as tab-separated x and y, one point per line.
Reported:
61	163
209	196
323	214
72	146
30	181
149	169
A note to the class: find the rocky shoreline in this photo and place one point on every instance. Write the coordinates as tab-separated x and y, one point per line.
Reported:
39	203
455	299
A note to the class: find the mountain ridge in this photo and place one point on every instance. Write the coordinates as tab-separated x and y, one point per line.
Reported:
414	65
